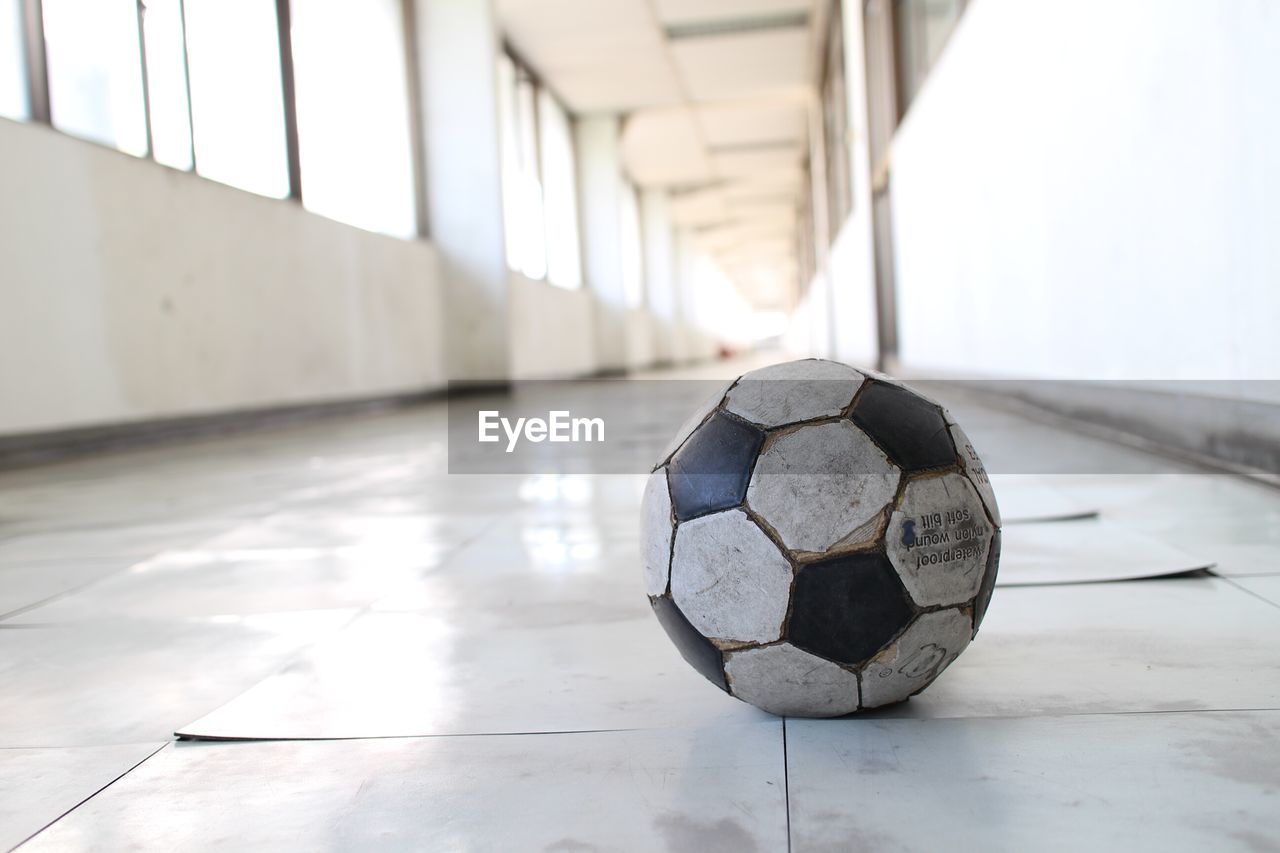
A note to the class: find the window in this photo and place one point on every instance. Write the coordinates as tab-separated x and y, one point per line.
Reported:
835	124
353	116
539	183
632	246
511	165
166	53
560	193
237	105
201	84
521	181
13	76
95	71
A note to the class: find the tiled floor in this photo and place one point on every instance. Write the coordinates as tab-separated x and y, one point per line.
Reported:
483	647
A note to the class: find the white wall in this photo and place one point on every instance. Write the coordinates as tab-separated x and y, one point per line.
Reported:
551	330
642	339
131	291
599	155
662	275
1091	190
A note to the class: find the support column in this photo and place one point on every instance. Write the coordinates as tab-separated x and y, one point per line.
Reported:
660	272
599	186
458	46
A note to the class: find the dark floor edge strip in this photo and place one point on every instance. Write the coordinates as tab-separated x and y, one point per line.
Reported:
148	757
24	450
1035	411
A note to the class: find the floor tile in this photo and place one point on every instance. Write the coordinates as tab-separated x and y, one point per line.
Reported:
1169	782
409	674
337	528
110	542
25	585
1027	499
699	790
208	583
1088	551
119	680
1264	586
40	785
1234	560
1200	512
1156	645
37	786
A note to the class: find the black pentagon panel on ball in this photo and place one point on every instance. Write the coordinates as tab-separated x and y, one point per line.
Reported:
696	649
711	471
988	583
910	428
847	608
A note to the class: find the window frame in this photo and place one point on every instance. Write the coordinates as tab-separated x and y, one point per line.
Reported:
35	69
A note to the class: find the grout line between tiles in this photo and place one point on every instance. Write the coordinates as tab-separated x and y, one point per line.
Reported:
1231	580
190	738
786	782
58	596
149	756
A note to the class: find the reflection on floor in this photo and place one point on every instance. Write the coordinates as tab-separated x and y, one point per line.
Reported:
483	646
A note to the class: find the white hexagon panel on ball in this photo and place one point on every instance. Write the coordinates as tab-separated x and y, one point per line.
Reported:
782	679
822	485
656	529
975	471
914	660
794	391
729	579
938	539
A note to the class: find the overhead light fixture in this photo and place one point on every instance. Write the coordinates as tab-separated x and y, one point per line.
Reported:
736	26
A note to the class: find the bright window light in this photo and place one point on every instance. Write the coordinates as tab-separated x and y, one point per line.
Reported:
560	193
13	77
95	71
632	246
353	113
167	83
237	109
530	212
539	180
510	159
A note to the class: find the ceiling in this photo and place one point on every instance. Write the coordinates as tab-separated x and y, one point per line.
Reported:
716	97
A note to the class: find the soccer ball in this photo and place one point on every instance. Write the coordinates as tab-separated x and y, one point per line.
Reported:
819	540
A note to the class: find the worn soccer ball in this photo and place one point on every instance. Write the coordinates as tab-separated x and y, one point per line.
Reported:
819	540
